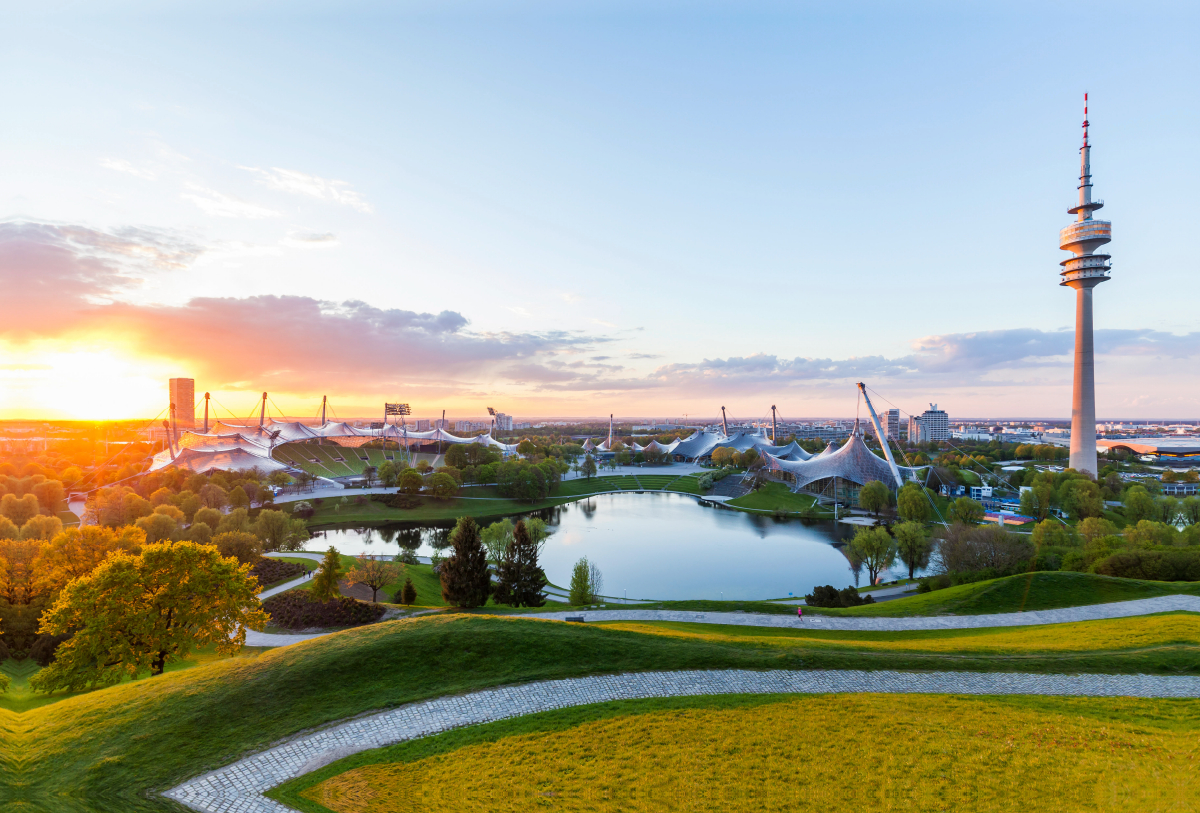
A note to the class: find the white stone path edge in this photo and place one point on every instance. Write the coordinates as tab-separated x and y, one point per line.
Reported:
238	788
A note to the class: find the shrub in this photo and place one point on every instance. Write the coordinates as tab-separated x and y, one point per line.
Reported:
404	502
829	596
1154	565
297	609
408	556
273	571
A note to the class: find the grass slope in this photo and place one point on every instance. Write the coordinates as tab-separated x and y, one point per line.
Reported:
778	497
115	748
1032	591
739	753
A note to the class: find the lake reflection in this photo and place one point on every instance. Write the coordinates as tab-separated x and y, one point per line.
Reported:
657	546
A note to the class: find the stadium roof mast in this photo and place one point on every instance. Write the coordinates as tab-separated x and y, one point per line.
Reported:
174	427
262	415
206	397
887	452
774	441
724	423
610	428
324	401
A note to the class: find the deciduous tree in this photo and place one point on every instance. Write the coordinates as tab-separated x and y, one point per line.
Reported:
967	511
411	481
873	497
912	545
137	613
374	573
875	548
912	504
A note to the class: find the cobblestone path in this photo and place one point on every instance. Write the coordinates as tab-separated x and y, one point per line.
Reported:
238	788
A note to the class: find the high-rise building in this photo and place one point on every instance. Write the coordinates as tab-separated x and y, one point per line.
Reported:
891	423
422	425
504	423
932	424
183	396
1083	272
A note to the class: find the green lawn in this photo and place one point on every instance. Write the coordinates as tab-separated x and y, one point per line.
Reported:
116	748
1034	591
687	484
429	586
778	497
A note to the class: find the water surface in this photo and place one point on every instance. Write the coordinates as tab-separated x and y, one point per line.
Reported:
658	546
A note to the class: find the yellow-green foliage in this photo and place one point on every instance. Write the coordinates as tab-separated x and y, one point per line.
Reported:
863	752
1085	636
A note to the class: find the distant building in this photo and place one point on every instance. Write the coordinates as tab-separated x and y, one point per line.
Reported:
891	423
423	425
932	424
183	396
504	423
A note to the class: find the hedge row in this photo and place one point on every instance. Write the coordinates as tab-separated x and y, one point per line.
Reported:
404	501
296	609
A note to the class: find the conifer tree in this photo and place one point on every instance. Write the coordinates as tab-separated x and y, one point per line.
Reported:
408	593
466	581
519	580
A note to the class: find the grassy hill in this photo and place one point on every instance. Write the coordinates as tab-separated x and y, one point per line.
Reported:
113	749
1032	591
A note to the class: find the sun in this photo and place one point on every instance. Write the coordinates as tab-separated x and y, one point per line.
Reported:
49	380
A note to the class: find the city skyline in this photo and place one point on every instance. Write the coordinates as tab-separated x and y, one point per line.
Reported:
570	215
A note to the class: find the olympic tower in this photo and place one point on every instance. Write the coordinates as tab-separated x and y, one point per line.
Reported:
1083	272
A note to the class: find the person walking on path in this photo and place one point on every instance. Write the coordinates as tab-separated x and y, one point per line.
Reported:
799	612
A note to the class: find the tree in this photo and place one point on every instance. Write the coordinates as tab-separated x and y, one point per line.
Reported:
77	551
466	581
1139	505
236	520
875	548
442	485
158	528
374	573
329	573
238	498
873	497
1081	498
1094	528
388	474
240	545
519	580
19	509
408	593
278	531
967	511
137	613
496	539
50	494
526	448
912	545
411	481
1052	533
209	516
588	467
580	588
912	504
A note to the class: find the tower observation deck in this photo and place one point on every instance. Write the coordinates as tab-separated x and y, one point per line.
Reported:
1083	272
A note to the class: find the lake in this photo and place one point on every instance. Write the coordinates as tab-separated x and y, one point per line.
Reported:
657	546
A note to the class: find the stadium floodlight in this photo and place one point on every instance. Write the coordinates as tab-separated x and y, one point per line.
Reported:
396	409
491	412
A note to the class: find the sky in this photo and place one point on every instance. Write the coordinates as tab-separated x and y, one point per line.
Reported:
574	209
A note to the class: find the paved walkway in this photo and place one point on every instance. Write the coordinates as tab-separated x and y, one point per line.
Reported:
1094	612
238	788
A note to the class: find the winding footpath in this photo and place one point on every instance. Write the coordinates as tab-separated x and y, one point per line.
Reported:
238	788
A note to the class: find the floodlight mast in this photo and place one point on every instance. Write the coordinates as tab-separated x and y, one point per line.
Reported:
887	452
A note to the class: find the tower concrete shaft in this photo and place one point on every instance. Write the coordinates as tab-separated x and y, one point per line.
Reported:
1083	272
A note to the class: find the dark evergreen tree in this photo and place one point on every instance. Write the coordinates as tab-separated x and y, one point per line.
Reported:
408	593
519	579
466	581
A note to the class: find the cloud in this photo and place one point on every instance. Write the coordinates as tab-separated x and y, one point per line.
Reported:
219	204
121	165
309	240
48	272
298	183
